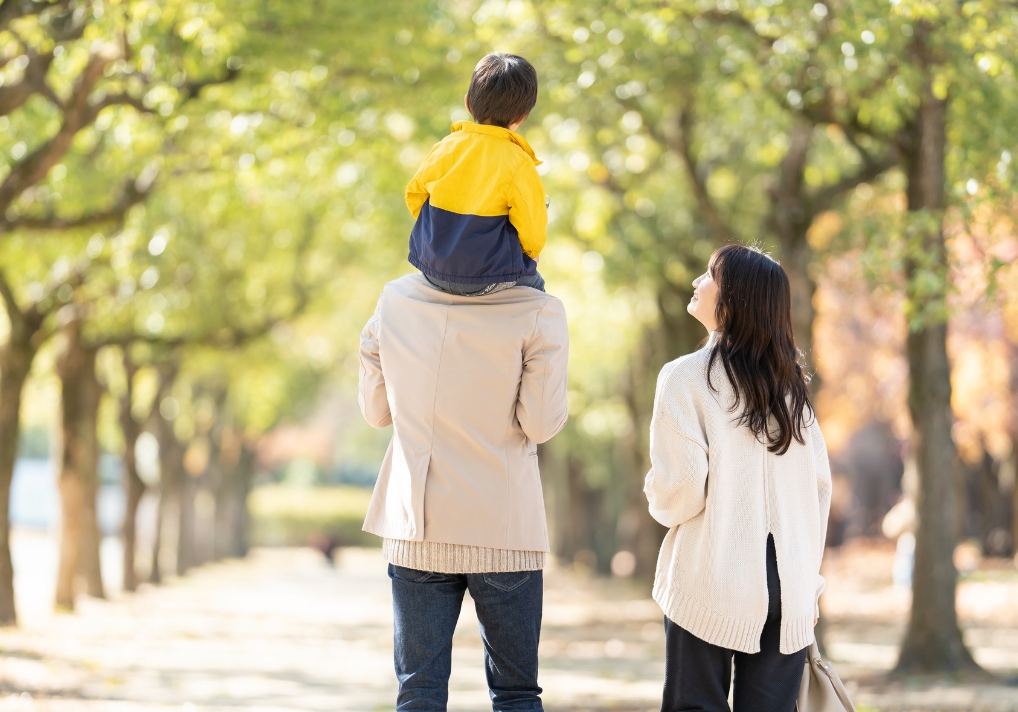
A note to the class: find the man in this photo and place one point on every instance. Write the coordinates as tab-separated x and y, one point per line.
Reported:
471	385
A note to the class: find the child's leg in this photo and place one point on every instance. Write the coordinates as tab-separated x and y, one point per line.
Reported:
468	290
534	281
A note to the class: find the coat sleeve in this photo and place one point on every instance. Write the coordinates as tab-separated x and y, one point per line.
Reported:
676	485
824	489
371	394
543	404
527	210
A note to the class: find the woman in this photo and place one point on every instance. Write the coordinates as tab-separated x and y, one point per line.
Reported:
739	475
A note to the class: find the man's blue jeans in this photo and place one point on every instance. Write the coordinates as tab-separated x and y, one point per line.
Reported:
426	607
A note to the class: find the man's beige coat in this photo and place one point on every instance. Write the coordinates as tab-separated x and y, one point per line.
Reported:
471	386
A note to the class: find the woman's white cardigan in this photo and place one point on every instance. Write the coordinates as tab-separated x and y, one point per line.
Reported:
720	492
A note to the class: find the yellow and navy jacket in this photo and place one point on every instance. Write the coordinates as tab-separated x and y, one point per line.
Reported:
480	208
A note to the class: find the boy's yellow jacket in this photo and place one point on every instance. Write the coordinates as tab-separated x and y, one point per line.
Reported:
480	207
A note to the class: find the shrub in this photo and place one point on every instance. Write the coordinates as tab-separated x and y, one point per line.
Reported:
294	516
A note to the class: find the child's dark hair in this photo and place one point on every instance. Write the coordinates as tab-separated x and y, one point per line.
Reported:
503	89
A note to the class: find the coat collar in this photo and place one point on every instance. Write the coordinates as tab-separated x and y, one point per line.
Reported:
497	132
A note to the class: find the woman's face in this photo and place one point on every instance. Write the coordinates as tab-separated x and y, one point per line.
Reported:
704	301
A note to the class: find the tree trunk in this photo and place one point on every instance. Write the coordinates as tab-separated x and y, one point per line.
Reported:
585	508
171	456
155	575
79	477
245	475
228	445
1012	465
214	477
990	505
676	334
237	462
790	220
933	642
171	474
134	488
171	464
638	532
186	514
16	358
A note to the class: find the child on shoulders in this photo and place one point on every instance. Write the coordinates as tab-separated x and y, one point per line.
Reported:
479	203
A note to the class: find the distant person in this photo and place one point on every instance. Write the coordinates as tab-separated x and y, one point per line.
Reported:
739	475
480	207
469	366
899	525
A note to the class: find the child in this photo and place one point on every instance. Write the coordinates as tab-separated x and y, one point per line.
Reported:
478	200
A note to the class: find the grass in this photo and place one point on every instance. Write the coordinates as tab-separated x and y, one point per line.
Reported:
288	516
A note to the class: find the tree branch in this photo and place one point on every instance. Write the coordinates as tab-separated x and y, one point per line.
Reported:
121	100
679	140
80	110
190	90
12	96
62	28
793	164
11	10
709	211
825	197
230	337
47	303
825	111
78	113
10	300
134	191
739	20
789	216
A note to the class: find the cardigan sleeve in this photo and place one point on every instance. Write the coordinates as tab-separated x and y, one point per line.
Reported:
824	489
542	406
676	485
371	393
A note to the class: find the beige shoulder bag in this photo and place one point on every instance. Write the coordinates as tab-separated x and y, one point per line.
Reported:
821	689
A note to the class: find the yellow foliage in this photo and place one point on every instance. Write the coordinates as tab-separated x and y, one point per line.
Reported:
824	228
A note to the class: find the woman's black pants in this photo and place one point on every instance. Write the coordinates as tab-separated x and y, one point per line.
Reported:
698	674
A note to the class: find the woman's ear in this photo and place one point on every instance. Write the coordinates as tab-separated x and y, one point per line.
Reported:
466	104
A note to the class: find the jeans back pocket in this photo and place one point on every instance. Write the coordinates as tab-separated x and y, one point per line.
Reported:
410	575
507	581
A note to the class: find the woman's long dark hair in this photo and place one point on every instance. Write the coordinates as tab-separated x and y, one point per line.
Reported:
756	346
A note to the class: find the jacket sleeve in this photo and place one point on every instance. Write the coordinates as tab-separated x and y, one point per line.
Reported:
371	395
416	194
824	489
676	485
527	210
543	404
416	190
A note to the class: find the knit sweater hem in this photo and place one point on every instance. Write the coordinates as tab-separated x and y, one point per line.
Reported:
459	558
726	632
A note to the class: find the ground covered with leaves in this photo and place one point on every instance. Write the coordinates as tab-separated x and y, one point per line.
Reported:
282	630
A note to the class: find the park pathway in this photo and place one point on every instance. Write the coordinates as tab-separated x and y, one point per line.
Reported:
282	630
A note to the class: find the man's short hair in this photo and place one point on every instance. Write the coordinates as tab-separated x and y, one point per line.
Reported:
503	89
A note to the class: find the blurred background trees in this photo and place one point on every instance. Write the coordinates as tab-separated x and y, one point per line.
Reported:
201	202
